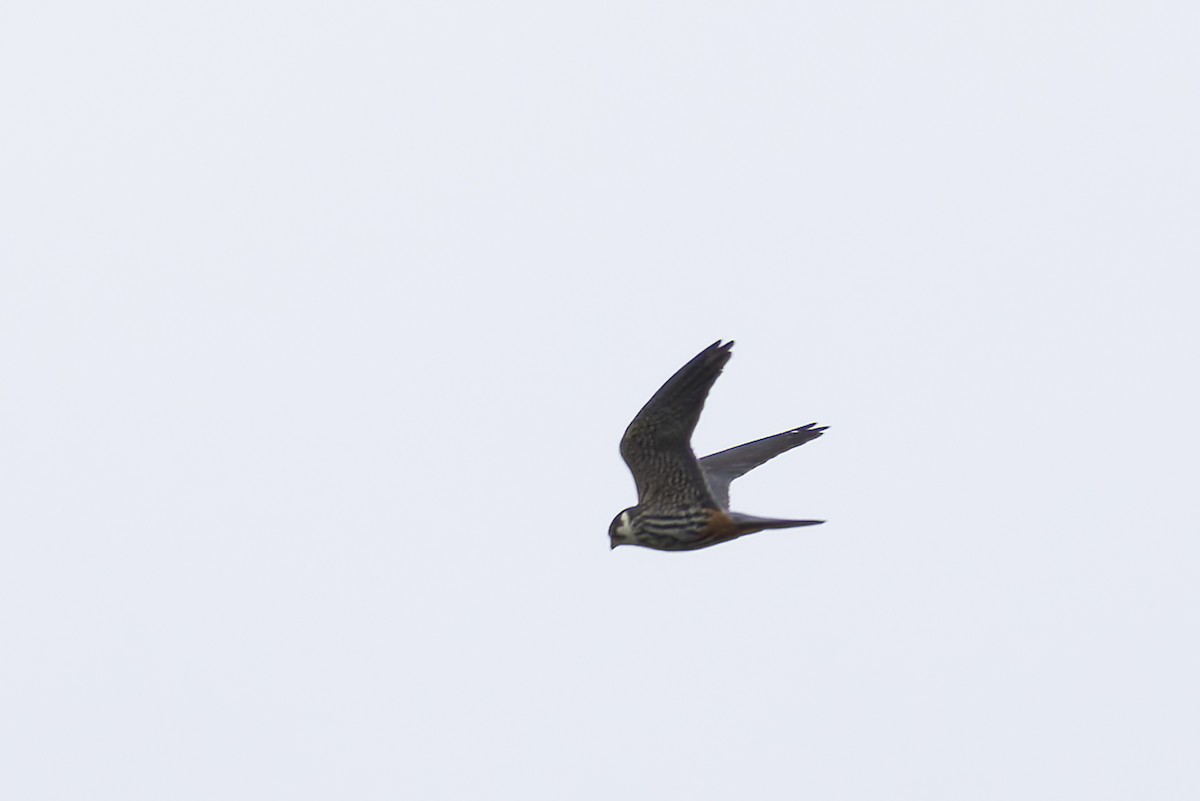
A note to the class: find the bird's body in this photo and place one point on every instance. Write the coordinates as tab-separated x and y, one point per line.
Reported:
683	502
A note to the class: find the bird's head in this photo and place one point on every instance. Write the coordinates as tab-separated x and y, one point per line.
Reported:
620	531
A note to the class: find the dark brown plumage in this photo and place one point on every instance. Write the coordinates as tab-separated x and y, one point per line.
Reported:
683	503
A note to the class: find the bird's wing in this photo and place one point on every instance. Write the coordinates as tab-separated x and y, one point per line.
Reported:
657	445
720	469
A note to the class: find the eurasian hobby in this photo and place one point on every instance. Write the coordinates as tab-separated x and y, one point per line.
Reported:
683	503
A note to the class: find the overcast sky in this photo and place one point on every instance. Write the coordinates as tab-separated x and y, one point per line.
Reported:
320	324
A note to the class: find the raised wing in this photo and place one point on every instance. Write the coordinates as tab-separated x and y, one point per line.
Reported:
657	445
720	469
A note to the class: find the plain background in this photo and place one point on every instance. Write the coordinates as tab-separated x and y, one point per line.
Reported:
321	322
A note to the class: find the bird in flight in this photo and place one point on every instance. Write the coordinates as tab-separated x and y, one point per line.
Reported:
683	502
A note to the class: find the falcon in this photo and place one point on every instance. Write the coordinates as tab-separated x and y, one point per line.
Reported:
683	502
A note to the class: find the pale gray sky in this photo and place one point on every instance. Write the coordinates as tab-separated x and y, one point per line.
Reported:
320	323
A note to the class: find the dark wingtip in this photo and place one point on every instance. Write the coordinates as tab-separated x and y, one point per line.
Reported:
811	428
716	353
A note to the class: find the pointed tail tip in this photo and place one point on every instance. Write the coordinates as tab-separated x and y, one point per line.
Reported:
754	523
796	523
779	524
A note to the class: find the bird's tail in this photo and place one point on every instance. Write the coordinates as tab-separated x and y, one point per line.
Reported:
748	524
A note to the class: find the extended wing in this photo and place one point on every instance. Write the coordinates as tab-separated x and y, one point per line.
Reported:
720	469
657	445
